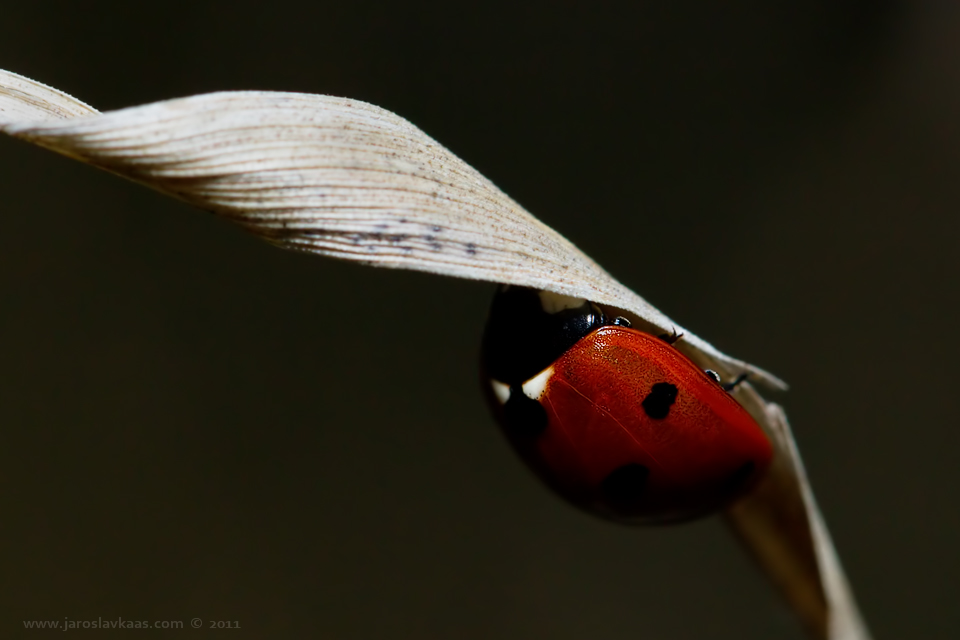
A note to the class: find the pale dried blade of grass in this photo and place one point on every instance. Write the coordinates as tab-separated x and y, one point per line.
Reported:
337	177
349	180
782	527
23	99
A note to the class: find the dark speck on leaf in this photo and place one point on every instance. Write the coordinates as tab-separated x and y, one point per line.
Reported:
471	248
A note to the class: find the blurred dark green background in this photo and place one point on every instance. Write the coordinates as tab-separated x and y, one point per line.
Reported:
195	424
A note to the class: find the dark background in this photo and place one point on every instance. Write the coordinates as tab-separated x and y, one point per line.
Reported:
195	424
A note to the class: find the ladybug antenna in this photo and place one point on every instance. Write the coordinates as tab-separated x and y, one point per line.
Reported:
730	386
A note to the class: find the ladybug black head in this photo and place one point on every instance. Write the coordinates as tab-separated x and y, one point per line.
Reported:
529	329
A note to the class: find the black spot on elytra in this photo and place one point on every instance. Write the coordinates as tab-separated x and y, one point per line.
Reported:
658	402
740	477
522	415
625	484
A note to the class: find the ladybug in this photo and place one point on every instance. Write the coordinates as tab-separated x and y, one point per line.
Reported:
615	420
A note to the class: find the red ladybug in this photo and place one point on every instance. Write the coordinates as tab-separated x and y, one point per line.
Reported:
617	421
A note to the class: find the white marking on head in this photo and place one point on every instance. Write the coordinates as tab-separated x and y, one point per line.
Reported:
500	390
533	388
555	303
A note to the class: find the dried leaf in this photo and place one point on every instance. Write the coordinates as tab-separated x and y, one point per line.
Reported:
781	525
349	180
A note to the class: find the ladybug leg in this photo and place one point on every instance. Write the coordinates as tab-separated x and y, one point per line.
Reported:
730	386
620	321
670	338
727	386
